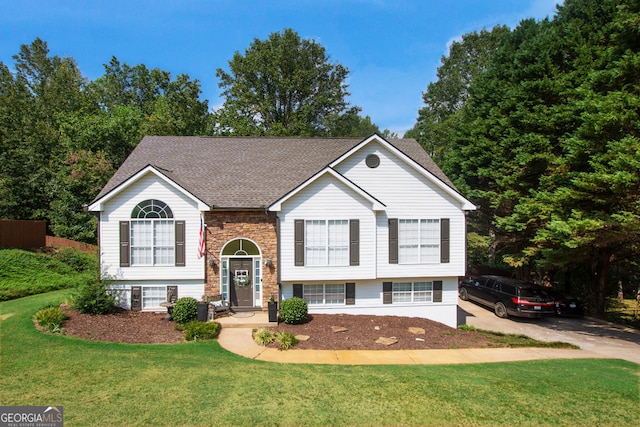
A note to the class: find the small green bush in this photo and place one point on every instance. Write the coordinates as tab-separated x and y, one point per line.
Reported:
293	310
286	340
264	336
185	310
94	298
195	330
78	260
51	318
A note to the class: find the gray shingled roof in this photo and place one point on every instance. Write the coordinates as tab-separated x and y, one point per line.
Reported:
243	172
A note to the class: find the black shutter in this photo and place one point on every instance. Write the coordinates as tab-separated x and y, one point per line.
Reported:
297	290
136	298
393	241
350	297
437	291
444	240
387	292
180	239
354	242
124	244
299	241
172	293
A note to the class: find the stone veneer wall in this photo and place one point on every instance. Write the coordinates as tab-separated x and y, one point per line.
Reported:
256	226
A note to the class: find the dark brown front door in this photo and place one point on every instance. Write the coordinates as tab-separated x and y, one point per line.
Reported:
241	280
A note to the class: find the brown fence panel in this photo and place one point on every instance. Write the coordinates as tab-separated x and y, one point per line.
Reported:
22	234
56	242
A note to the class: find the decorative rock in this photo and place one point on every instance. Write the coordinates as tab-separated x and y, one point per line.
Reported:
386	341
416	331
302	337
377	328
339	329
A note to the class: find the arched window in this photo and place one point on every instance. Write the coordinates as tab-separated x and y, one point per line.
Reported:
152	234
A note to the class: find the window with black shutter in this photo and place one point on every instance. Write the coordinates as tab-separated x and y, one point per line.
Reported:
387	292
354	242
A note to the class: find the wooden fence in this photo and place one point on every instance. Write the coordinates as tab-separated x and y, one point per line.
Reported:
56	242
22	234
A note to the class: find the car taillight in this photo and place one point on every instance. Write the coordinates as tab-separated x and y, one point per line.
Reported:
525	302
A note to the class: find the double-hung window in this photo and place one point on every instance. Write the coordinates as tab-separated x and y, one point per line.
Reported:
152	234
412	292
326	242
419	241
324	294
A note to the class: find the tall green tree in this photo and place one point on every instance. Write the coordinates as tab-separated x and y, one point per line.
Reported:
444	97
547	143
32	100
284	85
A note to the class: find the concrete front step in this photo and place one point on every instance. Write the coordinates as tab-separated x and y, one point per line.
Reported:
248	320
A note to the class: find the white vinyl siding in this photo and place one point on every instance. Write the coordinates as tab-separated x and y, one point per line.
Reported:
120	208
316	294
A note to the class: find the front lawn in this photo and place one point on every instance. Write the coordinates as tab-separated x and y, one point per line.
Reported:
199	383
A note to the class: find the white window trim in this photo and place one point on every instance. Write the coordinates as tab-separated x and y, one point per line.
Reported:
324	294
325	246
423	248
413	292
153	246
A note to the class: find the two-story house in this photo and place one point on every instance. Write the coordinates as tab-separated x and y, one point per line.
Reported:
359	226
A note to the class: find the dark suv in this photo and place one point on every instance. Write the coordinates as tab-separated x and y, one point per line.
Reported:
508	297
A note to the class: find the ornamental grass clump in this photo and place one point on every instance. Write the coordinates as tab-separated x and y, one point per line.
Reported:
51	318
185	310
294	310
285	340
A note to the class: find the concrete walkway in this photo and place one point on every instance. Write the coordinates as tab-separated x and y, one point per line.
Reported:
235	336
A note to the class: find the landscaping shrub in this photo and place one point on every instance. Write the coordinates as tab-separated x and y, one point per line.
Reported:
78	260
94	298
264	336
293	310
185	310
195	330
286	340
51	318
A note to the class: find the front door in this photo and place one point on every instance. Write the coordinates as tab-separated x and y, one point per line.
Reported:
241	280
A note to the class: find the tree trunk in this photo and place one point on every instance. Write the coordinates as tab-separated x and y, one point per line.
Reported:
599	275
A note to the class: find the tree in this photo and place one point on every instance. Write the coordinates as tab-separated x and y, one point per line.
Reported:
282	86
32	100
547	143
446	96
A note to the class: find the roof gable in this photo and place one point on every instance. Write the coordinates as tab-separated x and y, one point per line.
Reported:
376	205
427	168
97	205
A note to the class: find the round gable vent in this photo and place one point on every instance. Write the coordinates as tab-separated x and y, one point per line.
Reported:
373	161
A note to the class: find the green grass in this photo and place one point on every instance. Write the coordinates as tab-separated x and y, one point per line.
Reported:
626	312
199	383
24	273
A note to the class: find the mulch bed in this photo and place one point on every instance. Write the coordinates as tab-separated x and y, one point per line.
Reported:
357	332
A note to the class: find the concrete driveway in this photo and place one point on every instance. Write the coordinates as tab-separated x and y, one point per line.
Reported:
600	337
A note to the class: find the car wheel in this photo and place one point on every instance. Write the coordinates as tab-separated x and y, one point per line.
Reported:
500	310
464	296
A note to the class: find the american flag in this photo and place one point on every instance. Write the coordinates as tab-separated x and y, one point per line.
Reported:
201	250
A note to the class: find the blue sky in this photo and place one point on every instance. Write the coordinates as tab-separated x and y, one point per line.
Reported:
391	48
